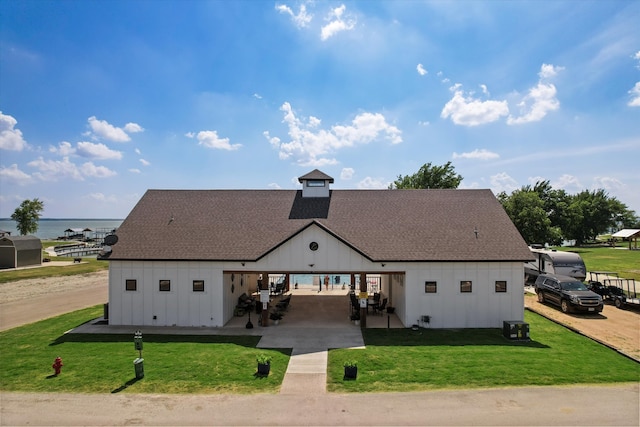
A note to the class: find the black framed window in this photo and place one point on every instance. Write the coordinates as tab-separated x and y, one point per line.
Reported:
465	286
501	286
131	285
430	287
198	286
165	285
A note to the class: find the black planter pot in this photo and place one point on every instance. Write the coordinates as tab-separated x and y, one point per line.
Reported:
350	372
263	369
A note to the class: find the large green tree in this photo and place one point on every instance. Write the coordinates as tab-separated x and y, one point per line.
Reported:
27	216
592	213
527	211
429	177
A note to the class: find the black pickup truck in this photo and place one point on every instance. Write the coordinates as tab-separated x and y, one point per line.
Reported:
568	293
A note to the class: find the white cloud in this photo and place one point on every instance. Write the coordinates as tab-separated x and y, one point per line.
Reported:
257	96
144	162
133	128
468	111
311	145
210	139
190	135
135	170
301	20
274	186
64	149
91	170
346	173
548	71
15	175
503	182
102	129
372	183
566	181
540	100
337	23
481	154
137	151
10	138
101	197
97	151
54	170
635	96
421	70
606	183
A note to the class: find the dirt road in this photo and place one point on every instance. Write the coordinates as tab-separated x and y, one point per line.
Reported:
618	328
27	301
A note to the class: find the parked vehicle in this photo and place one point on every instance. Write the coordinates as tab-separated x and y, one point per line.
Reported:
568	293
614	288
551	261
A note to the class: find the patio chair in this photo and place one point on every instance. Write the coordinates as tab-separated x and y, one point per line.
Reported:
379	308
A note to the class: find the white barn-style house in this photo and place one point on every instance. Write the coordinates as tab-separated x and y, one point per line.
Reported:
183	257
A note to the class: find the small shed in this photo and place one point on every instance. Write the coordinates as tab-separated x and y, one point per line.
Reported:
631	234
20	251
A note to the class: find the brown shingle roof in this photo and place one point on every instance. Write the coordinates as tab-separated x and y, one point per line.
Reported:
383	225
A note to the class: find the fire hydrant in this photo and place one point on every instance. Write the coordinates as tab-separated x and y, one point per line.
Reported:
57	365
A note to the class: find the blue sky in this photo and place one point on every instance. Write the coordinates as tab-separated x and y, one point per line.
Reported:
102	100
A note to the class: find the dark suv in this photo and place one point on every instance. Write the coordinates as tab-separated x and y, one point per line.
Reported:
568	293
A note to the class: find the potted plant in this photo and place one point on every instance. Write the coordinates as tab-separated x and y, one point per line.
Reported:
356	317
276	316
350	370
264	364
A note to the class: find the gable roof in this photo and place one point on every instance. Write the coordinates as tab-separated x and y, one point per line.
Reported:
383	225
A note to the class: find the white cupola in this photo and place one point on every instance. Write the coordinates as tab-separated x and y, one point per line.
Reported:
315	184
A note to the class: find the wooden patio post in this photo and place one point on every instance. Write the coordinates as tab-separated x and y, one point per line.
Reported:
363	311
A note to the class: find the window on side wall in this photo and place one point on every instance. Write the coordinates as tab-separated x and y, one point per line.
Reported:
198	286
165	286
465	286
430	287
501	286
315	183
131	285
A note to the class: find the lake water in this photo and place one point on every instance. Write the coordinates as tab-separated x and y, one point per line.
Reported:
49	229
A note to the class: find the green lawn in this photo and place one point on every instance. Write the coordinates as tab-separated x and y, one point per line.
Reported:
622	261
104	363
407	360
394	360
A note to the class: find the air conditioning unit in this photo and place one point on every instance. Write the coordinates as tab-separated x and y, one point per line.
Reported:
515	330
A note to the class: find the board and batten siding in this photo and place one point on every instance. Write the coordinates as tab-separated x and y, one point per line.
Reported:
180	306
483	307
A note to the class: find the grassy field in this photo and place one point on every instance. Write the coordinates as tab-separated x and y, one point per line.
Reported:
394	360
623	261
